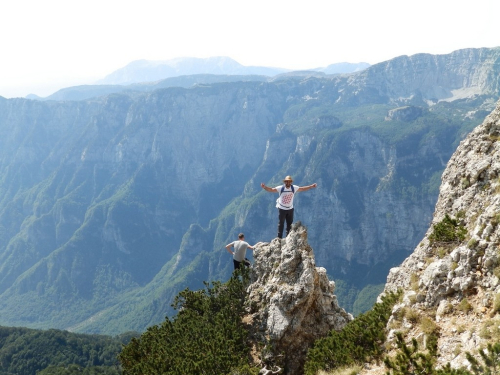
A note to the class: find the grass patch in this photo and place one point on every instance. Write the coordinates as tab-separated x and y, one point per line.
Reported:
464	306
414	282
412	316
496	303
429	326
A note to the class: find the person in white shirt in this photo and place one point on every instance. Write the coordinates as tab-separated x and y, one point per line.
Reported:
284	203
240	250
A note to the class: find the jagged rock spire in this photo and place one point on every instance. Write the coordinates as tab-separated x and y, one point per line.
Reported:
291	301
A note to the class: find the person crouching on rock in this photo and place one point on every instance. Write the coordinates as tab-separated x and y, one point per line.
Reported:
240	250
284	203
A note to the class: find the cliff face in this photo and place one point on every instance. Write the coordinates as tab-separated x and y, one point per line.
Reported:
291	301
455	280
96	196
452	76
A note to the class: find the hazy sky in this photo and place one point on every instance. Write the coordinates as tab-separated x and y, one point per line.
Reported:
50	44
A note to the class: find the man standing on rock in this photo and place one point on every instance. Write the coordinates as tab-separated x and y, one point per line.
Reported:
284	203
240	250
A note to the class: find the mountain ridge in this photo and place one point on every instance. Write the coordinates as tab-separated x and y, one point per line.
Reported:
468	88
151	71
132	196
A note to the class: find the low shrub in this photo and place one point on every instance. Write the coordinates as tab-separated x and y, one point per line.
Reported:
447	230
361	339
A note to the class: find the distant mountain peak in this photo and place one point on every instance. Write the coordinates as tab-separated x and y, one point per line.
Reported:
155	70
151	71
344	68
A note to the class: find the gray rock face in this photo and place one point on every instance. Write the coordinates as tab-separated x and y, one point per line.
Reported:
291	300
460	279
403	76
469	190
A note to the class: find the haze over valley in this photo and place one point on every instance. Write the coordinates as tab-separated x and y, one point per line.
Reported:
114	202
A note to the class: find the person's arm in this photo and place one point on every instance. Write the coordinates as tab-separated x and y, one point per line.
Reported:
228	248
305	188
267	188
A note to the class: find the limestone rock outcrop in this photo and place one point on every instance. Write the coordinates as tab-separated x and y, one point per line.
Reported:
291	301
456	283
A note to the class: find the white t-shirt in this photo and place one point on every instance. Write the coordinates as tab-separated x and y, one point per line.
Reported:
285	200
240	250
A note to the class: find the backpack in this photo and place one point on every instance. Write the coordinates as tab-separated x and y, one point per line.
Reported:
283	189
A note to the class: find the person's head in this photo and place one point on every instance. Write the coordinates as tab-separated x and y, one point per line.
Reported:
288	181
241	236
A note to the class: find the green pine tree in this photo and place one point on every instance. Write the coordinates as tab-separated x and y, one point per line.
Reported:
207	336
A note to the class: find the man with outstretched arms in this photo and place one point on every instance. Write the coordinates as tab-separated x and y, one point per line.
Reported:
284	203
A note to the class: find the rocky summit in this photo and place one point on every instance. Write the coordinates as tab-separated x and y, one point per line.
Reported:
291	302
451	281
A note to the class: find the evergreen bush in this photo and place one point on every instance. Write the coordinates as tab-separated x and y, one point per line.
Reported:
359	341
491	359
206	336
409	360
447	230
